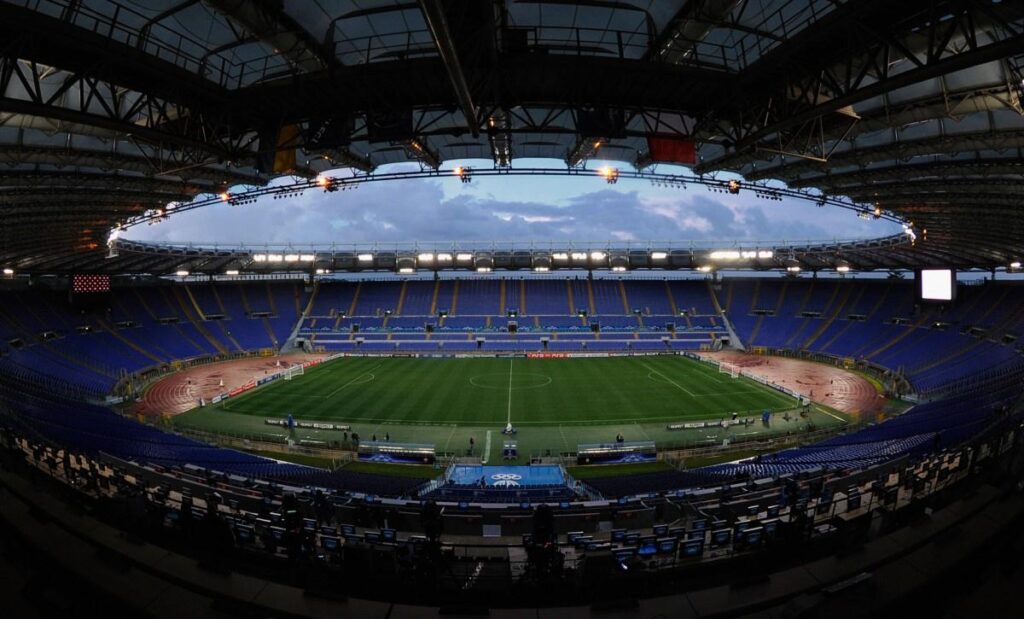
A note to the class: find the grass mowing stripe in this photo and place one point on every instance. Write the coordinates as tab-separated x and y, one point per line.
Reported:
446	400
678	386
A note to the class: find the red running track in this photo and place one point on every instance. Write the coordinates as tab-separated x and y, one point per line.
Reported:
824	384
180	391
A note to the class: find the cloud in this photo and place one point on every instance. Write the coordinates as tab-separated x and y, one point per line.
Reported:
426	210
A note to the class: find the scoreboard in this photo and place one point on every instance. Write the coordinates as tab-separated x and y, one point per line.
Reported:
89	292
88	283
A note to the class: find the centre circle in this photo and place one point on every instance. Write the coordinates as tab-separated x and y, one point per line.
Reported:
500	380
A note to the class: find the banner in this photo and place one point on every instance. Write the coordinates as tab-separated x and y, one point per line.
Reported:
671	149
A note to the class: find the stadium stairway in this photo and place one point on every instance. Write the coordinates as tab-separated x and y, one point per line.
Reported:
191	316
837	309
129	343
869	315
671	299
54	349
795	335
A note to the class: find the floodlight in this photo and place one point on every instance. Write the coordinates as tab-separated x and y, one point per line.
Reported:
704	268
541	269
463	257
365	257
181	273
8	271
291	257
560	255
274	257
734	186
406	270
1015	264
725	254
483	269
425	257
579	255
765	254
259	257
619	269
307	258
444	257
843	268
231	272
793	269
609	174
597	255
225	196
658	255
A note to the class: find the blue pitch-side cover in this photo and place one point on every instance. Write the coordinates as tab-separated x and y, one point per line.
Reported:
508	476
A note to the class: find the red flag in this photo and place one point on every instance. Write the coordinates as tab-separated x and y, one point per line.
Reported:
671	149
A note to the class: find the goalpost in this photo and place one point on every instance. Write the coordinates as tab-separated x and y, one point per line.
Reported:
729	368
293	371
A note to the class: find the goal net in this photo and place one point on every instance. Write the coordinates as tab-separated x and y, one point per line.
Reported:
729	368
293	371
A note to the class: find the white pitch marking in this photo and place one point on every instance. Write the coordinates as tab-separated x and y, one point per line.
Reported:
487	448
677	385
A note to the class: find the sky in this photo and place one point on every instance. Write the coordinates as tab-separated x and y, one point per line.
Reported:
521	209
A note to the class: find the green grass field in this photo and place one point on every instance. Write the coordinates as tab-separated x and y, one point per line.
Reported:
555	403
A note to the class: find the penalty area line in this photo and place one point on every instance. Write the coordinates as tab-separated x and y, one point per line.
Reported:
677	385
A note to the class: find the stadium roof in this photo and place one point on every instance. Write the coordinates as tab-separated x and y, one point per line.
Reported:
112	108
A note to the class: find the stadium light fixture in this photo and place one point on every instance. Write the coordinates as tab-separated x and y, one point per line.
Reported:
444	257
225	196
8	271
365	257
425	257
609	174
734	187
307	257
843	268
705	268
619	269
275	258
259	257
291	257
323	181
483	269
763	254
181	273
659	255
598	255
579	255
231	272
464	257
406	270
541	269
465	174
1015	264
560	255
793	268
725	254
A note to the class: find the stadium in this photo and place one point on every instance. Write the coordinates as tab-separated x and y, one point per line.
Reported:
345	425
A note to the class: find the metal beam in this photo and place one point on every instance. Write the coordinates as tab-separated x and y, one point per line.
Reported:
861	53
268	21
901	150
433	12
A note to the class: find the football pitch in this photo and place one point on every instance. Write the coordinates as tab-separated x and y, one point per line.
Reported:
555	403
